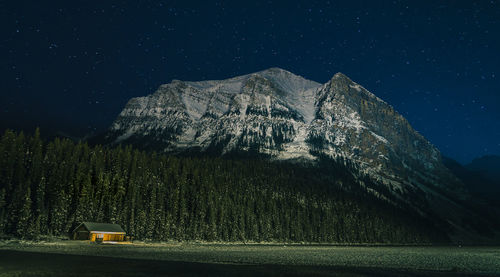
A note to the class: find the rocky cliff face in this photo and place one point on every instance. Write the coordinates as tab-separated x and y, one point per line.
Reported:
285	116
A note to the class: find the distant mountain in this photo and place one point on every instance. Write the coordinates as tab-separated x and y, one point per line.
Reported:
488	167
477	181
481	176
484	188
279	115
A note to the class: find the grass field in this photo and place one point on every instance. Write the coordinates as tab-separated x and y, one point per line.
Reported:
72	258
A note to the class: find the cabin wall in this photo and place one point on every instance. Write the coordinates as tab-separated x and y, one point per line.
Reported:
81	234
113	237
107	237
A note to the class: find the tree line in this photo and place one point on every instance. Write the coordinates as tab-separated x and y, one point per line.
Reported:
47	188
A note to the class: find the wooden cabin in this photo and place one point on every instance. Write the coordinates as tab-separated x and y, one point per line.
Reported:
98	232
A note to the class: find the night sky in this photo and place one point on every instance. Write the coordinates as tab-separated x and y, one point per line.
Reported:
71	66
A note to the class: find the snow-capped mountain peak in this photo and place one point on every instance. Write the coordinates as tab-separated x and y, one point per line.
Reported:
285	116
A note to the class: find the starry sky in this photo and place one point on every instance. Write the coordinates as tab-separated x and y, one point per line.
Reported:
70	66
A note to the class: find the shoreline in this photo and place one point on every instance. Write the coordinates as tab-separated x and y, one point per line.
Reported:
25	263
477	261
52	240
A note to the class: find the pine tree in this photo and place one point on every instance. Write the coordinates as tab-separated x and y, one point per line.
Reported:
49	188
3	210
23	228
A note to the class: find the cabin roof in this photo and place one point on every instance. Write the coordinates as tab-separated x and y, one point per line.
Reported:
101	227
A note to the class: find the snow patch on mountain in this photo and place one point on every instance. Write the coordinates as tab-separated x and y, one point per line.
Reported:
285	116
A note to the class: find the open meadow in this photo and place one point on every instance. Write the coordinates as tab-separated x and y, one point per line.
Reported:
76	258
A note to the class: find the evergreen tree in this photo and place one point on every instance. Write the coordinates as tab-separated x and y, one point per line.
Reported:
48	188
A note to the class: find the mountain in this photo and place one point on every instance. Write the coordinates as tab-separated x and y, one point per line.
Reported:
479	179
282	115
285	117
488	167
481	176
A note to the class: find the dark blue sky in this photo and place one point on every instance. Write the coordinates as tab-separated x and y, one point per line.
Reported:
71	66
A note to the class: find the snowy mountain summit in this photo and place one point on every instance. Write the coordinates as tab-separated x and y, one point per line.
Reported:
286	117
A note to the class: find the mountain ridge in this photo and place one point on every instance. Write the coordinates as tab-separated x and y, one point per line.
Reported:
286	117
280	114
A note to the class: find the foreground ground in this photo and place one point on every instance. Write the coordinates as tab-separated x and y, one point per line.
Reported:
140	259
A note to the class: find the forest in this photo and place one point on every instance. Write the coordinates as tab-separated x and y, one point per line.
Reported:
48	187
